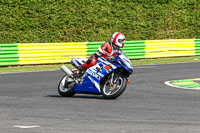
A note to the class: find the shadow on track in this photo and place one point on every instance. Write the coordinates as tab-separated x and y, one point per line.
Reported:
84	96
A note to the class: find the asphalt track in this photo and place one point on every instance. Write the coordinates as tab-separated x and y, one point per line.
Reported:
29	103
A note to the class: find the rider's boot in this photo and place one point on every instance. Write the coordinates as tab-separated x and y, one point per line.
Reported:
80	71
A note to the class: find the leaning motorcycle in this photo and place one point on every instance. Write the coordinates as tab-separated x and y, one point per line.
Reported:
108	77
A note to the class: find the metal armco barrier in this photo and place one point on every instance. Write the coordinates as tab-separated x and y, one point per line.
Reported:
46	53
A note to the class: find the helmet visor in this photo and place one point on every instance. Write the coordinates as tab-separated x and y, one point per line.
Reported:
121	41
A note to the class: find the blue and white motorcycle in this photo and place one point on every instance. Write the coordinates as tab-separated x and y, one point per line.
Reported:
108	77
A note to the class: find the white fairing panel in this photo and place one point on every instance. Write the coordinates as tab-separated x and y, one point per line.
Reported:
78	61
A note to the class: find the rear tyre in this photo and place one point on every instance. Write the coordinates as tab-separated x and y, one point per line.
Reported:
112	91
66	87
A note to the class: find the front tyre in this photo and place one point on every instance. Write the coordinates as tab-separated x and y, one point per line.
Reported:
66	87
115	89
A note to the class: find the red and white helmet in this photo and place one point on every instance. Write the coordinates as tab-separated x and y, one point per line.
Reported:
118	39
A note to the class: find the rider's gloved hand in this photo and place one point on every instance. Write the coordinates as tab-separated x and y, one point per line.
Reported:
115	54
112	57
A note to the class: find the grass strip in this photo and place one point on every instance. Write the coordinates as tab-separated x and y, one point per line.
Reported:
11	69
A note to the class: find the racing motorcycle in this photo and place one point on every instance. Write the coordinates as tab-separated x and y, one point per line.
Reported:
108	77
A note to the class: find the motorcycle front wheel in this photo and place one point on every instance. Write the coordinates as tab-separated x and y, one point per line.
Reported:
115	89
66	87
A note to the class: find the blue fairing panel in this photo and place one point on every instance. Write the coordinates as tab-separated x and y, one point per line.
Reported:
86	86
94	75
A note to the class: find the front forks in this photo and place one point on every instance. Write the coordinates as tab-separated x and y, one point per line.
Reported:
112	80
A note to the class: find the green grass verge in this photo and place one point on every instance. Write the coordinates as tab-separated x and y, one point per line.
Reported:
135	63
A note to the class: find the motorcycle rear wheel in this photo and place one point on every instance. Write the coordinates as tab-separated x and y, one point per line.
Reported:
113	91
66	87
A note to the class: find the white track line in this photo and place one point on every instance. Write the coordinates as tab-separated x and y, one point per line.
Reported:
25	127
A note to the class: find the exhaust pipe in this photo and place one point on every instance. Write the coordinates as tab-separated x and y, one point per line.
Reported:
68	72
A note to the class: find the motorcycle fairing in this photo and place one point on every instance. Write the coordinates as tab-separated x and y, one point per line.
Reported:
93	76
78	61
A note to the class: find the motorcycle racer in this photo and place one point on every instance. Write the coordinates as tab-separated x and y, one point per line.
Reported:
107	50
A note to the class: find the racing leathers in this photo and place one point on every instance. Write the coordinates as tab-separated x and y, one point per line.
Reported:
106	50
